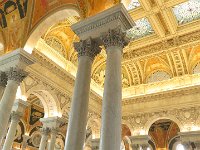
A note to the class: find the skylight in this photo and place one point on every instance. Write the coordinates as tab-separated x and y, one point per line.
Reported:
187	11
133	4
141	29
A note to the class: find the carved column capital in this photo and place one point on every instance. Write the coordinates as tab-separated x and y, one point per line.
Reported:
88	47
16	116
16	74
115	37
45	131
54	131
3	79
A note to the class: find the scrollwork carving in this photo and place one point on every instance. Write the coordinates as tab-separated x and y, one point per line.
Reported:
115	37
3	79
88	47
16	74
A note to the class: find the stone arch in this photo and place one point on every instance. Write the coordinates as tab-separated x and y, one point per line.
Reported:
95	124
50	19
48	99
129	126
156	118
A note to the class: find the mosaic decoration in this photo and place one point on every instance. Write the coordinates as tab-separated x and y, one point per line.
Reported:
134	4
187	12
15	8
141	29
35	115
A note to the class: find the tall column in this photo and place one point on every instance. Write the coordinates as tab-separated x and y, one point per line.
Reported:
3	82
76	131
25	141
114	41
43	142
95	144
15	118
52	143
15	77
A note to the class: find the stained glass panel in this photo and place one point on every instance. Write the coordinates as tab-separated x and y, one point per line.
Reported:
141	29
187	11
134	4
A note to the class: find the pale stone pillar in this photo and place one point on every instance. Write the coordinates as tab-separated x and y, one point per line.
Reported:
15	118
95	144
139	141
43	142
75	137
134	147
52	143
17	112
15	77
3	82
25	141
114	41
187	145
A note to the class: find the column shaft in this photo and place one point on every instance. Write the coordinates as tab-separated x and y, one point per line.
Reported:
111	115
11	132
76	131
53	140
43	142
6	105
79	108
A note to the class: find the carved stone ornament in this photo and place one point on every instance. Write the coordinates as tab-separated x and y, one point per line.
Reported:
3	79
16	74
16	116
115	37
44	131
88	47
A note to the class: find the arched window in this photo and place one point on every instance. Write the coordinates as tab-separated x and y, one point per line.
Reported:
158	76
180	147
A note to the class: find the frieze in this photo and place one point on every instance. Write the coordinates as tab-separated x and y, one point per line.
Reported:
161	95
188	39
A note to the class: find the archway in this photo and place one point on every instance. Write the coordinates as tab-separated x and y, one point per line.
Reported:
162	132
52	18
126	132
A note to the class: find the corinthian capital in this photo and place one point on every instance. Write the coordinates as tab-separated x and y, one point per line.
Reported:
16	116
3	79
88	47
16	74
115	37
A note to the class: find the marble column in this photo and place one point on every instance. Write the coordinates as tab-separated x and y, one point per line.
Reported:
95	144
76	131
187	145
15	118
3	82
52	143
43	142
134	147
15	77
25	141
114	42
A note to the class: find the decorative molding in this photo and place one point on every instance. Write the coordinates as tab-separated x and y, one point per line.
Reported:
115	37
3	79
16	74
88	47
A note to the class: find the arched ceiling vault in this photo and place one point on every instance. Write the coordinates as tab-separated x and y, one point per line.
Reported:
165	40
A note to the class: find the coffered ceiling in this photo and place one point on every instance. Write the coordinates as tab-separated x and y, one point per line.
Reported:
165	43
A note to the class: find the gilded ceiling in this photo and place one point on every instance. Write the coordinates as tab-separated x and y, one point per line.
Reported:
161	28
165	42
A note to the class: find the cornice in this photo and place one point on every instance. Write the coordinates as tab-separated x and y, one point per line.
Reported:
190	39
162	95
